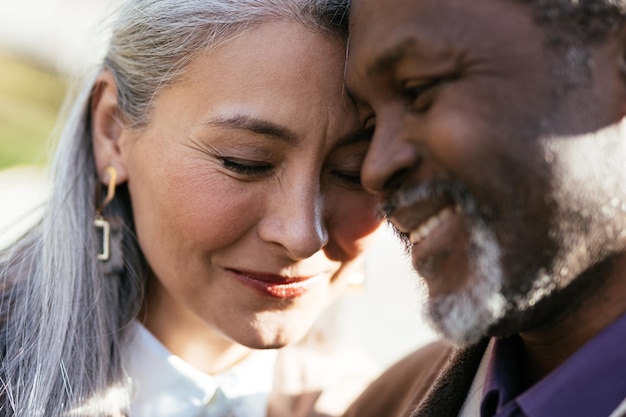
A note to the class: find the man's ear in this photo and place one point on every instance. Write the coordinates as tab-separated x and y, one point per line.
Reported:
107	127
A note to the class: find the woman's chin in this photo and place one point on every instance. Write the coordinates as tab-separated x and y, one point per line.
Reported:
270	338
271	329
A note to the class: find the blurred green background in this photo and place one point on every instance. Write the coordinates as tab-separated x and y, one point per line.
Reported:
30	99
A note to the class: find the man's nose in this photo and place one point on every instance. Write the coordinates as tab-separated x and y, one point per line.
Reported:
390	157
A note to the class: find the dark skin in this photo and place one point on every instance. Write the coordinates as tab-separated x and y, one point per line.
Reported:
448	99
548	347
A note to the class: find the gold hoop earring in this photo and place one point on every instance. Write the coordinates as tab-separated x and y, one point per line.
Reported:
99	221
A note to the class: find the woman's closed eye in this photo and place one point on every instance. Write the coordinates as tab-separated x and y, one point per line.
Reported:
246	167
344	164
350	178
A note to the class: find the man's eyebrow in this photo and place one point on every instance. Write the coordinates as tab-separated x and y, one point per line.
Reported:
252	124
390	57
383	63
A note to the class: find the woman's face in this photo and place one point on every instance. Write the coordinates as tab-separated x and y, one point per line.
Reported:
245	188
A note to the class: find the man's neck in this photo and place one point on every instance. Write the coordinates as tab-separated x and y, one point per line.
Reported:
550	346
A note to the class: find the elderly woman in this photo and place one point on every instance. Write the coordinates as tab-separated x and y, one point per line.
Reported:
206	208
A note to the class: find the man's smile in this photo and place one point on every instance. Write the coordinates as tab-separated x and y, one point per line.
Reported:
421	232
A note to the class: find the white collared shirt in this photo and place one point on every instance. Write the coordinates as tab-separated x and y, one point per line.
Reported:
166	386
471	407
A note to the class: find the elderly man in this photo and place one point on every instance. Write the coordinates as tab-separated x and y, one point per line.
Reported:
499	153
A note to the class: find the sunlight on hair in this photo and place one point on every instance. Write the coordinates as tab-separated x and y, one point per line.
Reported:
111	402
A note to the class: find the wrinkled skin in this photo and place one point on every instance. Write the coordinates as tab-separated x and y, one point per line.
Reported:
249	167
514	152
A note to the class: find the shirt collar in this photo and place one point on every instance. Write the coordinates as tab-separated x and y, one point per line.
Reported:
586	384
166	386
502	382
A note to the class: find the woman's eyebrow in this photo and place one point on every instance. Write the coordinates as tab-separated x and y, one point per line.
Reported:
252	124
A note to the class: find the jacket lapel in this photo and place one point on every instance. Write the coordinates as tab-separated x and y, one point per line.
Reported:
447	395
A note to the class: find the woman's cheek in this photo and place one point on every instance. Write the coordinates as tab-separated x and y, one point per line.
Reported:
354	224
204	204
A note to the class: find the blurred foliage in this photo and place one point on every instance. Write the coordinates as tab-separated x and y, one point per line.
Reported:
30	99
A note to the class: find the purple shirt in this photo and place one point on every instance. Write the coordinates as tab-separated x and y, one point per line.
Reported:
591	383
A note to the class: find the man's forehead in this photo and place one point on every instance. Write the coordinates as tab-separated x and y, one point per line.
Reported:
378	40
368	15
378	25
385	28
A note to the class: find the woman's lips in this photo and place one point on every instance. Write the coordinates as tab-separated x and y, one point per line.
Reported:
276	286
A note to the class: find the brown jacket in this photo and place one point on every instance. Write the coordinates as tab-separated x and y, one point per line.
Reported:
431	382
314	381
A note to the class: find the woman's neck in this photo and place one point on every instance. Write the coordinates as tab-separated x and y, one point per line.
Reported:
189	338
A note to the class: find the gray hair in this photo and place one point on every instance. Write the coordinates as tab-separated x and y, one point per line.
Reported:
571	27
62	320
581	20
155	39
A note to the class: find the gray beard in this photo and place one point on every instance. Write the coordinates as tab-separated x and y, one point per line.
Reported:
589	227
466	316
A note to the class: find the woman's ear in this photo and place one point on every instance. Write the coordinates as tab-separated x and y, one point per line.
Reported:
107	126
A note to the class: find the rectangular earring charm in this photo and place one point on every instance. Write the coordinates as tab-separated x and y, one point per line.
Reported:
100	223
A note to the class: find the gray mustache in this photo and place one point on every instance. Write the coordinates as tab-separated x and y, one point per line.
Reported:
434	189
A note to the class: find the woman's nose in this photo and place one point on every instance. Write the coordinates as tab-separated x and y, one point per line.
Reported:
295	221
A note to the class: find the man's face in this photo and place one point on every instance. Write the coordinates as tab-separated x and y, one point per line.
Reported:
499	156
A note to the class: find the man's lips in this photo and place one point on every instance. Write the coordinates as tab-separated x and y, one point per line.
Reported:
275	285
425	228
415	214
416	208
